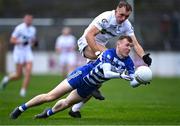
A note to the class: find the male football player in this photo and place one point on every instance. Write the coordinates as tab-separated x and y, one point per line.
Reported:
84	80
107	25
23	37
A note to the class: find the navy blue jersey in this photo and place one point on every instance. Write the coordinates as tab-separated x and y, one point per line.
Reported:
96	76
86	78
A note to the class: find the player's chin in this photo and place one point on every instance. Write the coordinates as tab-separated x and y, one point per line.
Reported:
120	21
125	55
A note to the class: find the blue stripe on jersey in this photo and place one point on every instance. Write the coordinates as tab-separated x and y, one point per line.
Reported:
96	75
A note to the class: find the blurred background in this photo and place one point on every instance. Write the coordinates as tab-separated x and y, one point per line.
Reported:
156	24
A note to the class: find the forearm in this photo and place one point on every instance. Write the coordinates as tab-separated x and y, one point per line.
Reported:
139	50
111	74
14	40
92	43
137	47
90	37
108	73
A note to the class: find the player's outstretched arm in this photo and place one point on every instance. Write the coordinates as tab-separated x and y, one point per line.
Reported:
110	74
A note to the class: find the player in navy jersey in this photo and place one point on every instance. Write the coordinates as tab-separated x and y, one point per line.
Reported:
84	80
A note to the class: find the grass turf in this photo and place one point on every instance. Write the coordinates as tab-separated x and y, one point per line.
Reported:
155	104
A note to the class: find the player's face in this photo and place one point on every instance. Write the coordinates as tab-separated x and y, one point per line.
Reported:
124	47
121	14
28	19
66	31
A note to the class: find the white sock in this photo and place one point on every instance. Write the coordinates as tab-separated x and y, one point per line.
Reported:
21	109
23	92
77	107
5	79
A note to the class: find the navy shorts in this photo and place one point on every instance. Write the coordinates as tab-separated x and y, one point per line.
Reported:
75	79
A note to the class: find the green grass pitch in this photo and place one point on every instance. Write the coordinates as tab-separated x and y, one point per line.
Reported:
155	104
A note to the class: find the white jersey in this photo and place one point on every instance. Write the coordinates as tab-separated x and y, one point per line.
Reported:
21	32
106	23
23	53
66	44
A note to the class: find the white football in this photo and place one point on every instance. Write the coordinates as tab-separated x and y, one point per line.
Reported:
143	74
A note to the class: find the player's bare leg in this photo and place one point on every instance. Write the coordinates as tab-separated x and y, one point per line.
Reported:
61	105
27	74
13	76
57	92
75	109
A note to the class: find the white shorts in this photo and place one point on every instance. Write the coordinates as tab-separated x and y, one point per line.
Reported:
67	59
21	56
82	44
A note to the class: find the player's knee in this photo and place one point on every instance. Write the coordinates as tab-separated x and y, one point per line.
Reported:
18	75
65	103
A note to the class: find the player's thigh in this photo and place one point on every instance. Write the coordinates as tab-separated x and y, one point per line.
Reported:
61	89
73	97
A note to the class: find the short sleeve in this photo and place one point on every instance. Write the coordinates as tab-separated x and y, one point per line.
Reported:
101	21
16	32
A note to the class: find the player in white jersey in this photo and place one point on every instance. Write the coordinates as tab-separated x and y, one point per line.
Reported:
104	27
23	37
82	81
65	47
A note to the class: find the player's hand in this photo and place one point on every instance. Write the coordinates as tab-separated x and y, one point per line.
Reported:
147	59
126	77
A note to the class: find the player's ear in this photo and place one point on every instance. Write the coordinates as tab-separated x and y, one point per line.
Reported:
118	43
